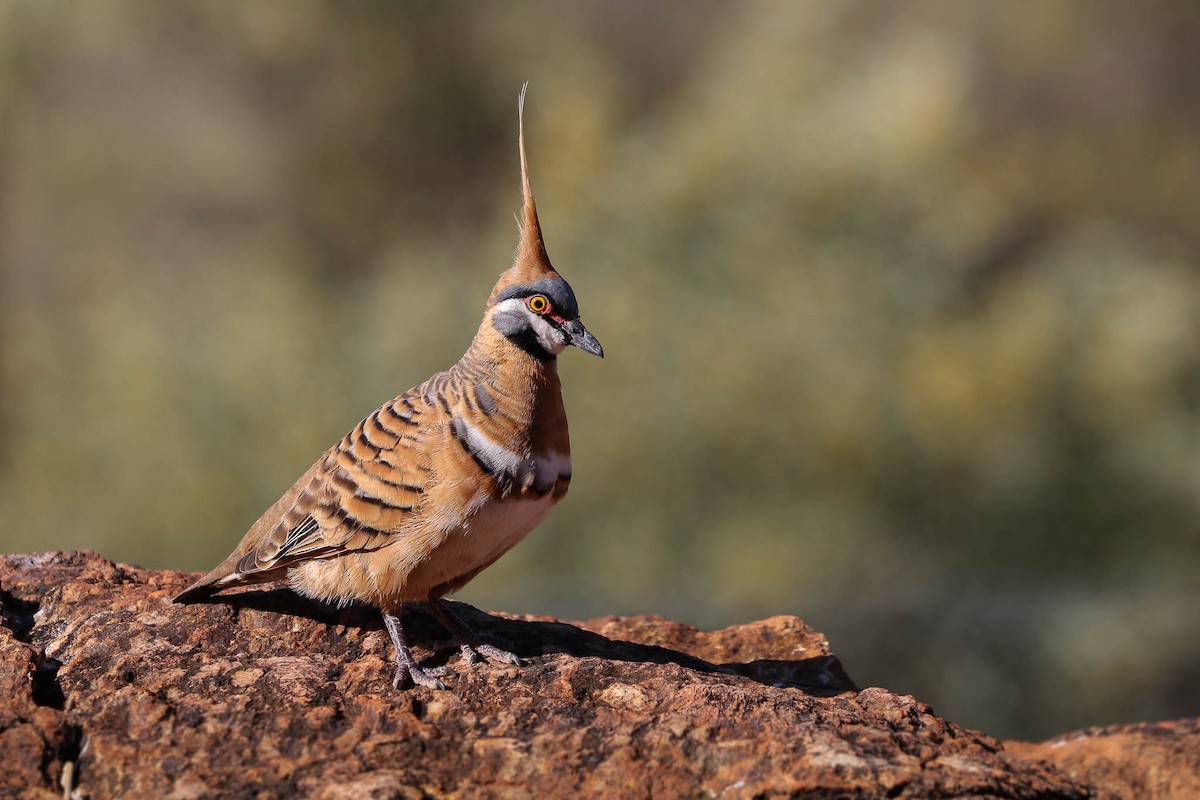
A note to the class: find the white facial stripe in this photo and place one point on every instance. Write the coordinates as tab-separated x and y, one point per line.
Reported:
549	337
511	304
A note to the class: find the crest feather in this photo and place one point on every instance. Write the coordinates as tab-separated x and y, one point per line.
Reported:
531	261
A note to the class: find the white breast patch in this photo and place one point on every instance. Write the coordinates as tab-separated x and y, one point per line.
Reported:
497	457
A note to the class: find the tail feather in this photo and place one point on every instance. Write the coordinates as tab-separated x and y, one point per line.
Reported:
196	592
226	576
216	580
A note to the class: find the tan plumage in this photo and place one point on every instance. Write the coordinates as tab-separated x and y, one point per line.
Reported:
441	481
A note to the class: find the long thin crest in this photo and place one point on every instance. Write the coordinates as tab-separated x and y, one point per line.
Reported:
531	229
531	261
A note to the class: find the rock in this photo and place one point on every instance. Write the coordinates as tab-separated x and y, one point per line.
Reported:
112	691
1159	760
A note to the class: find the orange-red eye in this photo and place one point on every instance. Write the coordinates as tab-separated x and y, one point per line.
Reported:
538	304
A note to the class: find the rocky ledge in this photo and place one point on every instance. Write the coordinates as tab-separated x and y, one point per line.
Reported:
108	690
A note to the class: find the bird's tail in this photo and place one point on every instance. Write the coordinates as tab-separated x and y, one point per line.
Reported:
196	592
227	575
211	583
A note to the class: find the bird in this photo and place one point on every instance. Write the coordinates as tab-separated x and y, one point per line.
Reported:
438	483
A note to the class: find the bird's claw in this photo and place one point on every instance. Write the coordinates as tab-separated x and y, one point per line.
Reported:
491	653
420	677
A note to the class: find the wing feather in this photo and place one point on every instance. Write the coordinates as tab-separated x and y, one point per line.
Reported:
361	494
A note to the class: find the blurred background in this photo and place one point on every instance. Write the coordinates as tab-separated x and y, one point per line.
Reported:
901	304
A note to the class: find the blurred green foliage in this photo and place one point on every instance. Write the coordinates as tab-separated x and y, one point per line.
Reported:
901	303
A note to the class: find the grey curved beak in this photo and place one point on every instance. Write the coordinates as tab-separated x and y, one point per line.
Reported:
582	338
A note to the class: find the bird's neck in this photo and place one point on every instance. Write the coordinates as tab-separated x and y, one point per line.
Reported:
493	356
525	389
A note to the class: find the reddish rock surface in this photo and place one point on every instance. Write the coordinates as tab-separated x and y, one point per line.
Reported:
1158	760
112	691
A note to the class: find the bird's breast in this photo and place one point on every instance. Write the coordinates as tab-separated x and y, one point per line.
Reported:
498	524
494	522
520	501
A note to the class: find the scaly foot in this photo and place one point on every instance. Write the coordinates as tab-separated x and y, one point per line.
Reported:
406	665
472	649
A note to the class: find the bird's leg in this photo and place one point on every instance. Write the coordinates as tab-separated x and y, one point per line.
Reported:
468	643
406	665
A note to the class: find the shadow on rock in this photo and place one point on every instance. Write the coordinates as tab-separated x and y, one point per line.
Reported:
821	676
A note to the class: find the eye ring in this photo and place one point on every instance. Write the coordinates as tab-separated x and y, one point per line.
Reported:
538	304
